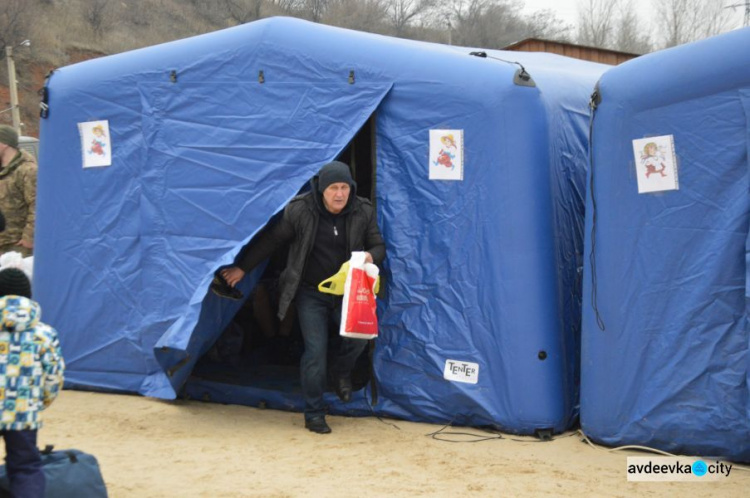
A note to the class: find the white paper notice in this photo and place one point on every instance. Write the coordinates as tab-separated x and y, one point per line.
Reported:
446	154
95	143
655	164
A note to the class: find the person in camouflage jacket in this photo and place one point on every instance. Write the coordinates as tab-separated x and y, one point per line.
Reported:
17	194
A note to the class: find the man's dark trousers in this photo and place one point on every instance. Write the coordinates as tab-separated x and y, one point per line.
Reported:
315	311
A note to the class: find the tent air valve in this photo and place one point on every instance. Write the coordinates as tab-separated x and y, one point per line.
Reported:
596	99
261	77
351	77
522	78
173	76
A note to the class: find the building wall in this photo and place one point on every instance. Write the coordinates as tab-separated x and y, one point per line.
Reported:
602	56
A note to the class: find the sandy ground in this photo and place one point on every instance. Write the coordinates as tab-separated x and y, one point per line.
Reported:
152	448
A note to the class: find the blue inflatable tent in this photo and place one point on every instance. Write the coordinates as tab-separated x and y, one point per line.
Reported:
665	359
209	137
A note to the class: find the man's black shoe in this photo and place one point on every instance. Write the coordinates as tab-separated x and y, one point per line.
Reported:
344	388
221	288
317	425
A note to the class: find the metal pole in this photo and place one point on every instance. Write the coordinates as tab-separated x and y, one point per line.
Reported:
13	90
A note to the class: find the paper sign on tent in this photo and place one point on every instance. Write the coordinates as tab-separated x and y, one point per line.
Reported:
96	144
655	164
446	155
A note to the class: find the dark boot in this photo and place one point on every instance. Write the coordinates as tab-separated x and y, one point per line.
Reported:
317	425
344	388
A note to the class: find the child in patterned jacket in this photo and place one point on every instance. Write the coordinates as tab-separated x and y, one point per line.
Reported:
31	375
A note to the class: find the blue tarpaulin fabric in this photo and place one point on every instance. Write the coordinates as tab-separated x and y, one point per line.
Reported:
481	270
670	369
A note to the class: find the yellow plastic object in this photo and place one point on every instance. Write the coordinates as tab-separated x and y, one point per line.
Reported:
335	284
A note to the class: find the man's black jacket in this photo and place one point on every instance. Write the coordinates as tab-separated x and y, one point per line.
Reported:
299	225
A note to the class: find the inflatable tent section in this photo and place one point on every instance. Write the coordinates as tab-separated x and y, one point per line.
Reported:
159	165
665	335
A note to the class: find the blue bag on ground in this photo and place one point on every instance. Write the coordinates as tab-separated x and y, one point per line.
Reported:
69	474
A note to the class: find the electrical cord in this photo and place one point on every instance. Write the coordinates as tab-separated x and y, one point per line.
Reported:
523	75
438	436
372	410
488	435
585	438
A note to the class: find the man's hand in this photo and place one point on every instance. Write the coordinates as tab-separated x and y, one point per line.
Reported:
24	244
233	275
368	257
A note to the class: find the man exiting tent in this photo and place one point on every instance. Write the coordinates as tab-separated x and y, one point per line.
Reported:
323	227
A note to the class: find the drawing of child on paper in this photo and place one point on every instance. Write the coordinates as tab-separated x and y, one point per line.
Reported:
445	156
98	145
653	160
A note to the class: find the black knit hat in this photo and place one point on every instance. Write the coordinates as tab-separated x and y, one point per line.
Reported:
334	172
14	282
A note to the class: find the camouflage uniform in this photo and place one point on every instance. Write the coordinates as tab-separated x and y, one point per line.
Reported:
18	202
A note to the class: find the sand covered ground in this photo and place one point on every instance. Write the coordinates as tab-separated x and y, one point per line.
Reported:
152	448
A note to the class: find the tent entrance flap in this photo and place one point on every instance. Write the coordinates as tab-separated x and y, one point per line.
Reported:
745	98
229	159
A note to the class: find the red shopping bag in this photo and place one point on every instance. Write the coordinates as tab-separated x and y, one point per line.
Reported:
359	318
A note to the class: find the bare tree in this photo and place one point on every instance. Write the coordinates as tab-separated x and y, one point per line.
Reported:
315	9
545	24
596	22
242	11
15	23
363	15
286	6
462	16
402	12
632	34
490	23
96	14
682	21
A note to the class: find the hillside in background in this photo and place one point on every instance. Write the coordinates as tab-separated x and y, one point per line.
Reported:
63	32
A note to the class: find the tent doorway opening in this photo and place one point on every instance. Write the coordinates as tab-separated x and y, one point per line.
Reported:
359	154
257	351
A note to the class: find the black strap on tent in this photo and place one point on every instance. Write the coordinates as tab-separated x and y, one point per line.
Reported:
44	94
596	99
171	371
